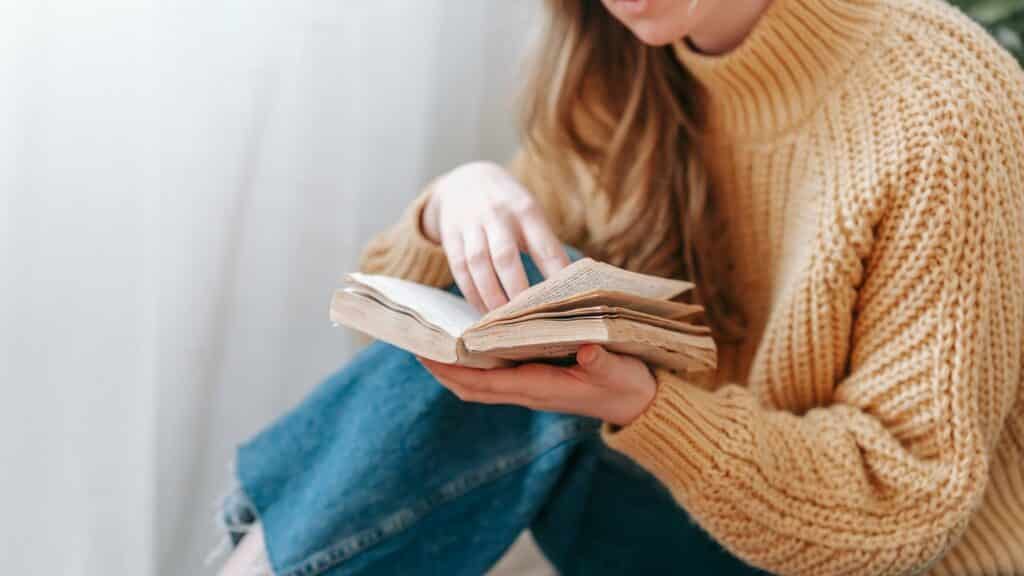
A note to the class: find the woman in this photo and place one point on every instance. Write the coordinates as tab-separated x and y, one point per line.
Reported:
841	179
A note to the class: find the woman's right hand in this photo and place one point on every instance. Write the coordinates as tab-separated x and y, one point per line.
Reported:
483	218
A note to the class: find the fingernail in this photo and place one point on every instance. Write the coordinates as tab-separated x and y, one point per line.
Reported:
586	355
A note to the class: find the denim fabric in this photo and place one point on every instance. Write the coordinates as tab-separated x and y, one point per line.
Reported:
383	471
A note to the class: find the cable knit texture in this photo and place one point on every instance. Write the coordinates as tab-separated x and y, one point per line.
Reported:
868	156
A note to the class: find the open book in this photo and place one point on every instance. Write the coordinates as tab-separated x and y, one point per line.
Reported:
586	302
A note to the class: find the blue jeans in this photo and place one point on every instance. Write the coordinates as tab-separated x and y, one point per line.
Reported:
381	470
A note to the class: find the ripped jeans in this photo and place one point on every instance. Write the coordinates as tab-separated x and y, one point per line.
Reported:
381	470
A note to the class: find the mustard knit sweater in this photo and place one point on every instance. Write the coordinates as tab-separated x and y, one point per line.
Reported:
868	156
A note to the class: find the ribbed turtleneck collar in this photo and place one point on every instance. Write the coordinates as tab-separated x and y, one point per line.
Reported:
796	51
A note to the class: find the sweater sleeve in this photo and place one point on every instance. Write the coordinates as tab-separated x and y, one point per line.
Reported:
405	252
884	477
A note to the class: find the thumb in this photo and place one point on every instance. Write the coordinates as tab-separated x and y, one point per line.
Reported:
594	359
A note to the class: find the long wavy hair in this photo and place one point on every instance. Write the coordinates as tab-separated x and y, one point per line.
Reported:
617	119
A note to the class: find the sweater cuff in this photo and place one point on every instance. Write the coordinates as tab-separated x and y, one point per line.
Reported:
405	252
683	434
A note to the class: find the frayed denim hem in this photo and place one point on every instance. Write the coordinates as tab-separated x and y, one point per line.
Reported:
235	517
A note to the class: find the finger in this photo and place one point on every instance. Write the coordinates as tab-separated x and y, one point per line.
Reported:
542	244
622	386
601	368
477	397
504	247
547	387
469	378
453	249
534	384
454	378
597	365
594	358
448	370
481	268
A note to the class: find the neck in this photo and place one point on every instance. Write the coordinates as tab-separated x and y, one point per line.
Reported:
793	52
725	25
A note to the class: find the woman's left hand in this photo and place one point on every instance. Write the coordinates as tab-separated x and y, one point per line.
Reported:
612	387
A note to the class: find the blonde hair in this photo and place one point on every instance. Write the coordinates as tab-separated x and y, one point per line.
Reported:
625	111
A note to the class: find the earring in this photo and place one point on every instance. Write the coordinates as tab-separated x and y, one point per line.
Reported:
693	5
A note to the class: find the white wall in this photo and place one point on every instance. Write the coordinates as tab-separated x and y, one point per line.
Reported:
182	183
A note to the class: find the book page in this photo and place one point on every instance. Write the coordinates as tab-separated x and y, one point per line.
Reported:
587	275
602	311
667	309
381	321
433	306
559	338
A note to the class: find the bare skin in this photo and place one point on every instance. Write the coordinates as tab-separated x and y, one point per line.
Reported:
481	215
250	557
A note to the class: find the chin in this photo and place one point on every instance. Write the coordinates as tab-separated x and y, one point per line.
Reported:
652	34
